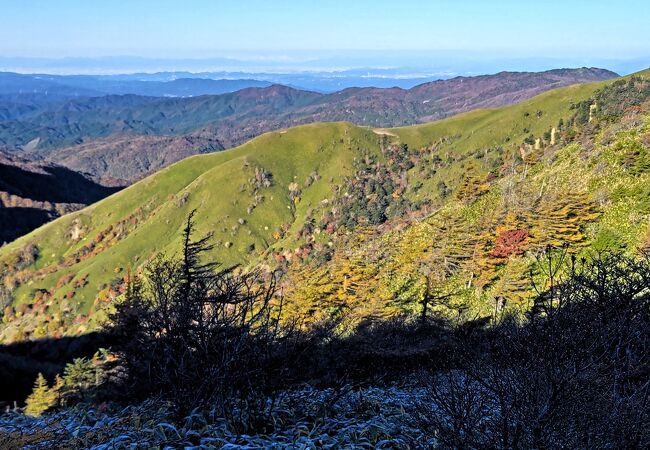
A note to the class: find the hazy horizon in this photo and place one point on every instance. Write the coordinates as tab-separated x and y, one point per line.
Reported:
413	65
437	38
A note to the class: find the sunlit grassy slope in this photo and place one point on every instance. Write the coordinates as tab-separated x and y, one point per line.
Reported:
247	219
218	187
489	127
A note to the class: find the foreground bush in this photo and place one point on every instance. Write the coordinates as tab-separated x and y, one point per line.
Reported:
201	336
576	374
573	373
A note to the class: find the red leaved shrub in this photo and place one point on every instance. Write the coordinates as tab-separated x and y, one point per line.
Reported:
510	242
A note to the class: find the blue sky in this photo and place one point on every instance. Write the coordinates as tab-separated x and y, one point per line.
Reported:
296	30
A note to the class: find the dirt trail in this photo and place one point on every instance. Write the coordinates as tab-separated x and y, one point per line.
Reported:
383	132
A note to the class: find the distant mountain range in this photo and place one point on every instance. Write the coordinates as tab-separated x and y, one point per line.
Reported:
86	133
95	86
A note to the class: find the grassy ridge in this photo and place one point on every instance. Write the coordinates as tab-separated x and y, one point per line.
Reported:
87	252
490	127
218	186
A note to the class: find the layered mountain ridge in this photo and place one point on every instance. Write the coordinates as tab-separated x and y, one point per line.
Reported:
36	129
365	221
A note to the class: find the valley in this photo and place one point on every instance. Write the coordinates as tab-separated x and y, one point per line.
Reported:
34	193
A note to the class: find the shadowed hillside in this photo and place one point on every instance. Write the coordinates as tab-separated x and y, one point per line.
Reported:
32	194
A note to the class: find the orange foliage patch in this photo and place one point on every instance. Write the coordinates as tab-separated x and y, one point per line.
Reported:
510	242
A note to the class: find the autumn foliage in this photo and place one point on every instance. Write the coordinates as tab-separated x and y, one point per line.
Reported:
510	242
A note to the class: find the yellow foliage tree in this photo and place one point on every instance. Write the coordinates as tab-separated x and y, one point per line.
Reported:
41	399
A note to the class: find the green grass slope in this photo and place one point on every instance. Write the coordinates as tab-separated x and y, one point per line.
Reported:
99	243
256	201
489	127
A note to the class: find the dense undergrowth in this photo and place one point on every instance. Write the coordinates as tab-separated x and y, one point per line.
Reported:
572	373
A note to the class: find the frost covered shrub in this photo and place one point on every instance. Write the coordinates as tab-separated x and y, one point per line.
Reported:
307	418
